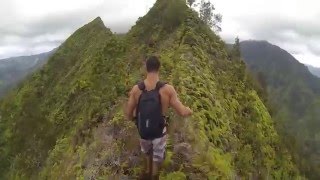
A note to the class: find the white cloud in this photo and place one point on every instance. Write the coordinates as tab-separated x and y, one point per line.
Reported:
4	50
38	8
308	58
33	26
291	24
26	26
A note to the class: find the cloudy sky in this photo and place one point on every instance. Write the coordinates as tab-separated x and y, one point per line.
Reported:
34	26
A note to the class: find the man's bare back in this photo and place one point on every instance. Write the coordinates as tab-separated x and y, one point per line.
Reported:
169	98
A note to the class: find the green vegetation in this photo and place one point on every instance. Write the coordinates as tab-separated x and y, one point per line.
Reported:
235	52
208	16
294	94
66	121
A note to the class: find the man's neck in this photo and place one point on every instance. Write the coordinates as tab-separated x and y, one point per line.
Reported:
152	77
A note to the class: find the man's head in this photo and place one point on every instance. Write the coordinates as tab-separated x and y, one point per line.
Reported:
153	64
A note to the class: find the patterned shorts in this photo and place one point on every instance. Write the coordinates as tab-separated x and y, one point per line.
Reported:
157	147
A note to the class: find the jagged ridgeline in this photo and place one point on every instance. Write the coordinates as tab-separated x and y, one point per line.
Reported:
66	121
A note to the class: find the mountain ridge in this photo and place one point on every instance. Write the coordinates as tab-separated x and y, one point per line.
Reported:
294	94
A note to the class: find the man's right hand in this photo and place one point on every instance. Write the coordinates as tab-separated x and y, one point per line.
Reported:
188	112
176	103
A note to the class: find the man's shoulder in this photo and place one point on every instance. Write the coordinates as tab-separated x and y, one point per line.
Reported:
168	88
134	89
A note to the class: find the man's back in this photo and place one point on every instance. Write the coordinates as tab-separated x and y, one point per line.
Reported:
168	97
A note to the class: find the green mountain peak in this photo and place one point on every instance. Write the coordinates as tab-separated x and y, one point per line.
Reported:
97	23
89	31
98	19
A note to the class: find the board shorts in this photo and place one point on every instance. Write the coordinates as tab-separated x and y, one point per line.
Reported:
156	147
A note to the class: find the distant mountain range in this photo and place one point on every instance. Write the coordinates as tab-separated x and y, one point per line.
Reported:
294	95
13	70
314	70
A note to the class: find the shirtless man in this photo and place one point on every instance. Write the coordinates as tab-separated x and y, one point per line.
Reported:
153	147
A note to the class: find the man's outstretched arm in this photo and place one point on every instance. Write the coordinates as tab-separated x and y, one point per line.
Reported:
131	104
176	104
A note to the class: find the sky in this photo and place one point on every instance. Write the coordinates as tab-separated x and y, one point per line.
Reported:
35	26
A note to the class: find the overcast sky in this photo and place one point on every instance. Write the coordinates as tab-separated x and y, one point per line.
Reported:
34	26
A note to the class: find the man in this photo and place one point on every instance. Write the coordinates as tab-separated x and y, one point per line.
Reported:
148	103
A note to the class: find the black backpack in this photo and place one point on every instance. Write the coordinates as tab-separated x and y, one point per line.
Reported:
150	120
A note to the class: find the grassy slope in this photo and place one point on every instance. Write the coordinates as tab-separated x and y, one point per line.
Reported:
295	95
68	92
81	123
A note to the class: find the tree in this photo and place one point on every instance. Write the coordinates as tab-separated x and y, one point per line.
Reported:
208	16
236	53
190	2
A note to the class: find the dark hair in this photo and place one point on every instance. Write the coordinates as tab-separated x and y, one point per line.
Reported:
153	64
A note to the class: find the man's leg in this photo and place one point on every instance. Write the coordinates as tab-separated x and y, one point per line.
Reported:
158	151
149	165
156	170
146	148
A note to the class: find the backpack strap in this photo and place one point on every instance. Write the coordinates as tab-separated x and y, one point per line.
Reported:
141	86
160	85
